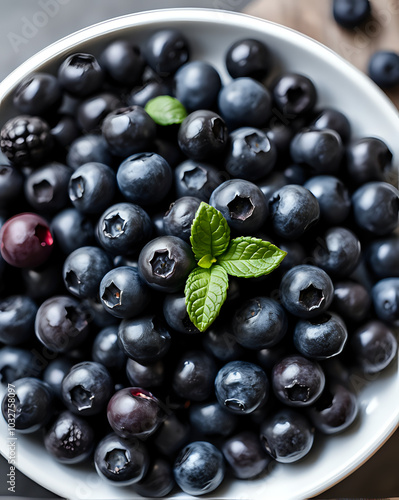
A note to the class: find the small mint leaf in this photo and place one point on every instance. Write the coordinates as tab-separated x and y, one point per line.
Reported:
166	110
206	261
205	292
248	257
210	233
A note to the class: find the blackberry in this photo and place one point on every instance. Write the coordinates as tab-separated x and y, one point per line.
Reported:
26	140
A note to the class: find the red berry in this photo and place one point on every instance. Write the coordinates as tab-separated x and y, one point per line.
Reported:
26	240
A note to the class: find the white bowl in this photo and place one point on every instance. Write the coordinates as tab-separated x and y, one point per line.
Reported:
339	85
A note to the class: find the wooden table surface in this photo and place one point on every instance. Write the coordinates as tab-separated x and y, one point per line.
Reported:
314	18
379	477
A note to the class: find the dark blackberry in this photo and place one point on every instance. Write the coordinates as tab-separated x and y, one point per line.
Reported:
26	140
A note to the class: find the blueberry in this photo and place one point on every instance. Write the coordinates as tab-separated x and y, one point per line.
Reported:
96	312
320	150
179	217
333	197
86	388
92	111
306	291
385	296
16	363
145	376
351	300
123	229
368	159
351	13
374	346
140	95
297	381
294	94
245	102
31	404
37	94
196	179
194	376
296	174
199	468
166	50
80	74
202	135
128	130
272	183
250	154
175	313
144	178
241	387
72	230
165	263
335	120
281	132
296	255
144	339
46	187
168	149
335	410
17	319
287	436
337	252
321	337
65	131
106	349
267	358
61	323
88	148
55	372
259	323
376	207
245	455
219	341
158	481
26	240
383	257
383	68
69	439
172	435
92	187
120	461
11	184
197	85
249	57
293	210
84	269
123	293
134	412
212	419
123	62
242	204
43	282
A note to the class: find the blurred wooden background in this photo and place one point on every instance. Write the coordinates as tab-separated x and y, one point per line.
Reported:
314	18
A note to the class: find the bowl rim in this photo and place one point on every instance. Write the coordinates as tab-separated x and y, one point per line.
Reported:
67	42
214	16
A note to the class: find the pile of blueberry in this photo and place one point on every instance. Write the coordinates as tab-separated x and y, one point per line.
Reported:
97	202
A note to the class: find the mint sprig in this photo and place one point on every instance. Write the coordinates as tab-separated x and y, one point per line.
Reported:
217	256
166	110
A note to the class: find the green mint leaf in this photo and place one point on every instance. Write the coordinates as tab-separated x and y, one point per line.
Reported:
206	261
205	292
166	110
249	257
210	233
